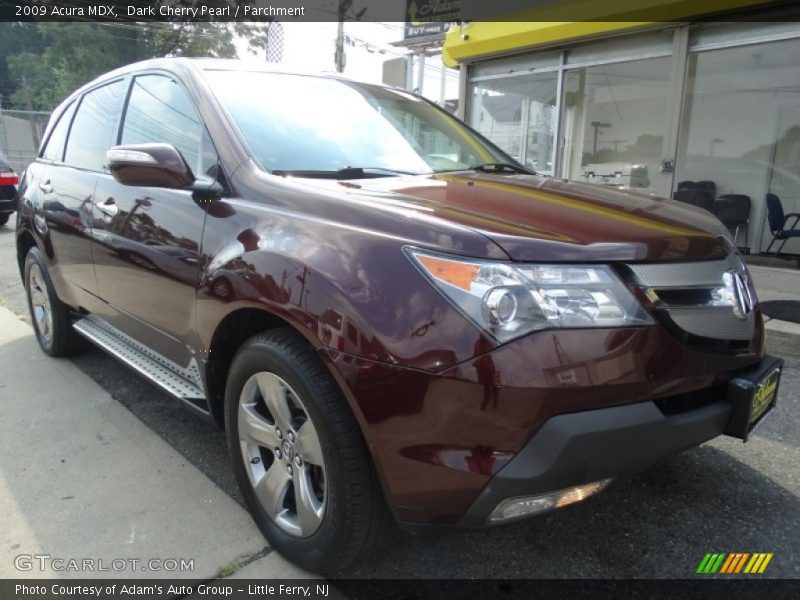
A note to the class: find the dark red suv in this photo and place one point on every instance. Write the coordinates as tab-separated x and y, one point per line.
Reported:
389	315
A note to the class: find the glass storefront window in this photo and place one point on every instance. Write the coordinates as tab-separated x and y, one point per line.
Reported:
518	114
740	129
736	132
614	118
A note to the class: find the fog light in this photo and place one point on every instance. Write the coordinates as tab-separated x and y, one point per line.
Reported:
515	508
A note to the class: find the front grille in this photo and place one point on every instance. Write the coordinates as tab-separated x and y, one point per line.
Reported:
709	301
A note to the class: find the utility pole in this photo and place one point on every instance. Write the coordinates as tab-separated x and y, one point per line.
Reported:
443	87
339	57
421	72
344	6
597	125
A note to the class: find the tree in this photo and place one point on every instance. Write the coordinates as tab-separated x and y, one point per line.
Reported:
69	54
14	39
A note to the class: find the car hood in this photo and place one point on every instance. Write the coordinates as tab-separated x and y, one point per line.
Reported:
540	218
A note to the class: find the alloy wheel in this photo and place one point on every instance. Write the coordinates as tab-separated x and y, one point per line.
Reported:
40	303
282	454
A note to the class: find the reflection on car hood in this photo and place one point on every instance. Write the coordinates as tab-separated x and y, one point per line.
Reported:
540	218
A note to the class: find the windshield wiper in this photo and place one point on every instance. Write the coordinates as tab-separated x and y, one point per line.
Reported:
345	173
501	167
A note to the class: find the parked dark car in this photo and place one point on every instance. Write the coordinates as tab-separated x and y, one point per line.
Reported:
389	315
8	190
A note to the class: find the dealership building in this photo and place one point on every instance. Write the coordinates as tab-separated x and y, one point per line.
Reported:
704	108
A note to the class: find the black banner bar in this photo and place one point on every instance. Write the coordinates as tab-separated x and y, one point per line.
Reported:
731	588
419	14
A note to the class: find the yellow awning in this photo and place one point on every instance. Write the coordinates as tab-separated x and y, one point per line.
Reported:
549	24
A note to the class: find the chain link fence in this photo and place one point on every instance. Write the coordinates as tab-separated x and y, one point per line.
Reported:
20	134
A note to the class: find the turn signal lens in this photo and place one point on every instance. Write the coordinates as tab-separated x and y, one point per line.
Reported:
455	273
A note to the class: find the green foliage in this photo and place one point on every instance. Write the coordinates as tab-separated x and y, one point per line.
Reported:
16	38
57	58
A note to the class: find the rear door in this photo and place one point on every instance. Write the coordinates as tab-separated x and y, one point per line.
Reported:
148	239
76	155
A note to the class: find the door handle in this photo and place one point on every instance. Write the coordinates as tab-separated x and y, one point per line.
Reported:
109	207
45	186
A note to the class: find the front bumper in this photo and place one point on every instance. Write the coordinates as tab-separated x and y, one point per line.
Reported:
587	449
439	439
594	445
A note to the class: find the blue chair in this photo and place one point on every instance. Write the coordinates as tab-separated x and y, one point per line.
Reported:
778	221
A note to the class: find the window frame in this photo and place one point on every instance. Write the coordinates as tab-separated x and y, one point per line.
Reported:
80	99
222	178
71	105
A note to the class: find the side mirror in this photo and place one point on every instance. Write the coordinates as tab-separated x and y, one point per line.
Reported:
151	165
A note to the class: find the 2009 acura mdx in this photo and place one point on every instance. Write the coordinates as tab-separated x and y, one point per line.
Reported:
389	315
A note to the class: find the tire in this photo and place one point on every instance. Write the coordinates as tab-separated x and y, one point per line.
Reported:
49	316
4	218
344	515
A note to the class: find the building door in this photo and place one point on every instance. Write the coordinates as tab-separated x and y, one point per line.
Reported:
614	124
740	128
519	115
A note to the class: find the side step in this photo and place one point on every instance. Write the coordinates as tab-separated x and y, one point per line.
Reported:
154	367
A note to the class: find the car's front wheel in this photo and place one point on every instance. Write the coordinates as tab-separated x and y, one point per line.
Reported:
4	218
298	454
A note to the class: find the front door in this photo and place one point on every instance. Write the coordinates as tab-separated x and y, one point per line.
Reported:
147	249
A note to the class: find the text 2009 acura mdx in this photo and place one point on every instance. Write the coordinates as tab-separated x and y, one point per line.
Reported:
388	314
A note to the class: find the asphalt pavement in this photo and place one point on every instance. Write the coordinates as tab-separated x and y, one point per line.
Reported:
725	496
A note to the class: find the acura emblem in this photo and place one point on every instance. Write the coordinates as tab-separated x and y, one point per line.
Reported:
739	293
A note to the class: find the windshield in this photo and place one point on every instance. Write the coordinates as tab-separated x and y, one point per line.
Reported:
298	123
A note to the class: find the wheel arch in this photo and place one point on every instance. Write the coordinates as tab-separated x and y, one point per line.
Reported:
25	241
233	330
230	333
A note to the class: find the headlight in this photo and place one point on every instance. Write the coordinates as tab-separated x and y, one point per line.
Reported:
512	299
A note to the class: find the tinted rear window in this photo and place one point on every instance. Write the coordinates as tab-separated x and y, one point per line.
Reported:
93	128
54	150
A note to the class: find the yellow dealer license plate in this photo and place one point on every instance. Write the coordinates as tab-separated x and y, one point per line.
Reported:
753	396
764	394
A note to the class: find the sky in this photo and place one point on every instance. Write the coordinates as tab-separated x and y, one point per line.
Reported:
310	46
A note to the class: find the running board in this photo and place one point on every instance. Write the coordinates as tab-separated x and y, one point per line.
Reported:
164	373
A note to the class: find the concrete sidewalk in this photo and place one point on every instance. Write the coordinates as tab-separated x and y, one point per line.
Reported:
82	478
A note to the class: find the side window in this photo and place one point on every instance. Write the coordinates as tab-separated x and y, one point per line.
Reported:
92	131
159	111
54	149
